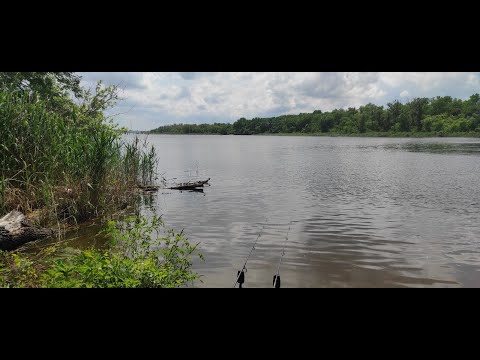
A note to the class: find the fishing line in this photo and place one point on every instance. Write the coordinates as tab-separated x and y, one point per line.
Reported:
240	273
276	277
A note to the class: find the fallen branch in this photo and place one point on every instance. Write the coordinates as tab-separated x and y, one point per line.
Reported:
189	185
16	230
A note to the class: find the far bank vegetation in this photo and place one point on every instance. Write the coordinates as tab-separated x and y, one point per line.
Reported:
438	116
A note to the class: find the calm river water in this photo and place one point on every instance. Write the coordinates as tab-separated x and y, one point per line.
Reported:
362	212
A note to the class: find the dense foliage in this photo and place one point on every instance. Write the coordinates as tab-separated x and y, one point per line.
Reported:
214	129
437	116
63	158
63	155
46	84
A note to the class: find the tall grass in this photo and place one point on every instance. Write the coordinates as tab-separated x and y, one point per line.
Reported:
71	163
141	162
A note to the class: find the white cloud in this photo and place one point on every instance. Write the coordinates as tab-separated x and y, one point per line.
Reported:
166	98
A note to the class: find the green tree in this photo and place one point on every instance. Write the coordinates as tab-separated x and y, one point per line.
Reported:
47	84
373	116
471	107
444	115
239	126
393	114
417	110
360	120
440	105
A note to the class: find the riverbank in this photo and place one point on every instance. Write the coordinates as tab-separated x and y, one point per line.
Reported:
439	116
133	258
63	163
369	134
384	134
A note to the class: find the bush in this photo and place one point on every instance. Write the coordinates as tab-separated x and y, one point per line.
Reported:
18	271
142	256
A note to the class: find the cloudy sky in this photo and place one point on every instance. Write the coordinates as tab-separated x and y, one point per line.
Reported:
155	99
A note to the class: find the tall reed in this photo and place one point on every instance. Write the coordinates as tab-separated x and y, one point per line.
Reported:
141	162
72	163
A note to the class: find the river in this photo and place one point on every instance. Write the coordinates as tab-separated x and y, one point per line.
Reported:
359	212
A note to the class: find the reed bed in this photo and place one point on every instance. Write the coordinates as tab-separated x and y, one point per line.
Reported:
70	165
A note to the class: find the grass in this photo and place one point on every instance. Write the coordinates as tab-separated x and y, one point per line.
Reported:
140	162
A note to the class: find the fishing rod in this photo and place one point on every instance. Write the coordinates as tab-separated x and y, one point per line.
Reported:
276	277
241	274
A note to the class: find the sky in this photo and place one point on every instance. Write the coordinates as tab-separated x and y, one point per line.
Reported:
155	99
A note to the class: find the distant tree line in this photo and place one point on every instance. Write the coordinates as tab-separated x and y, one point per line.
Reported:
441	115
217	128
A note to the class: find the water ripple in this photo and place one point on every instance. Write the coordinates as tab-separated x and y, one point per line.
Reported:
372	212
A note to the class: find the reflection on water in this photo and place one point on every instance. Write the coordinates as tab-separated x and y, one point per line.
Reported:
369	212
88	235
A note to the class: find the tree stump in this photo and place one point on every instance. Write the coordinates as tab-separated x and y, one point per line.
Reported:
16	230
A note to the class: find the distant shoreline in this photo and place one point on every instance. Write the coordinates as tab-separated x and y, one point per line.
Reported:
371	134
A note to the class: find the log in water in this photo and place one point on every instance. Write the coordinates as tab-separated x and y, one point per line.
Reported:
16	230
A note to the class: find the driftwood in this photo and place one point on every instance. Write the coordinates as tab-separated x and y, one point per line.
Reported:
16	230
191	185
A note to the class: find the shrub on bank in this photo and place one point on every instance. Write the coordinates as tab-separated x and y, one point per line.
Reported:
142	254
